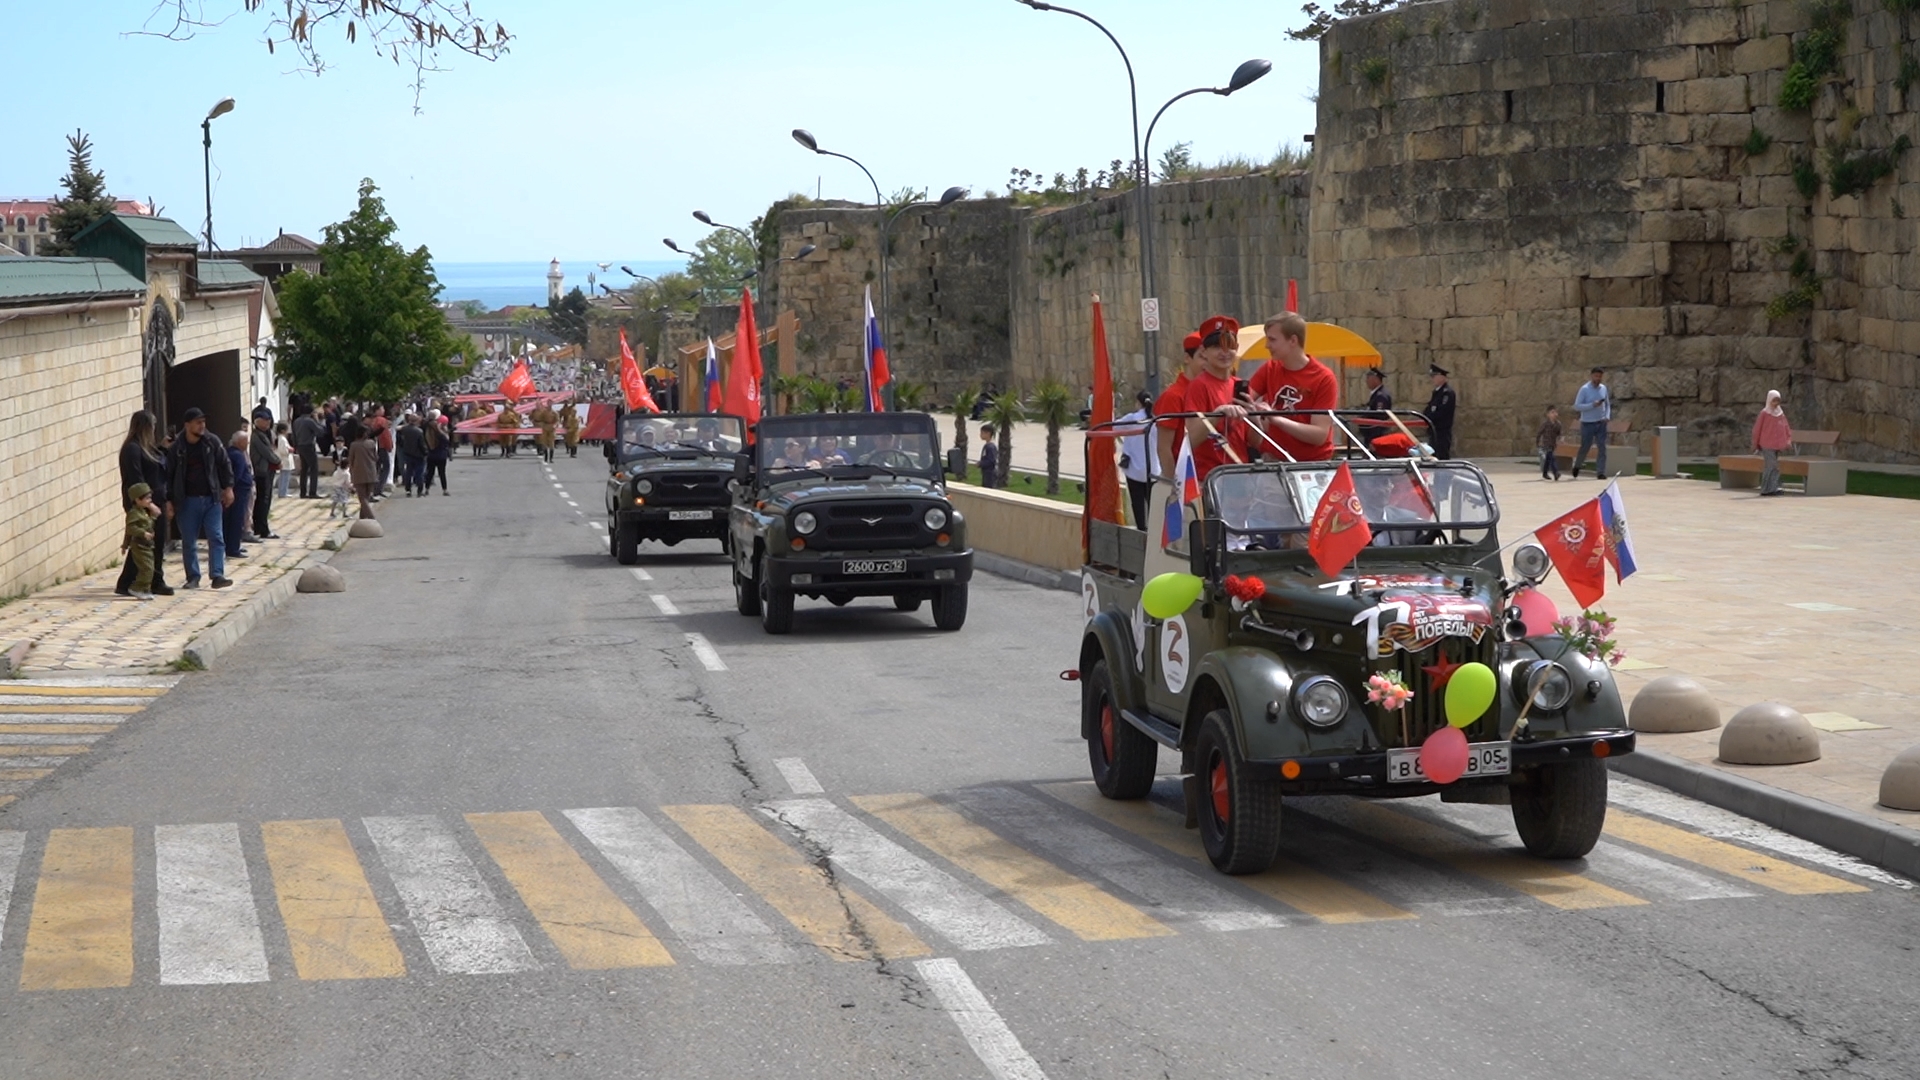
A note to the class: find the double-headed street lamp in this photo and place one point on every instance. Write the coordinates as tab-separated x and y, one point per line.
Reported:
221	108
1243	76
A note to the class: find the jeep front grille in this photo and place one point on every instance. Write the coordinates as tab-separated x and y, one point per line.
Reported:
860	525
688	489
1427	712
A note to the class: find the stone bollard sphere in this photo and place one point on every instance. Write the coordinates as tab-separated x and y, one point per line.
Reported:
320	578
1673	703
1900	784
1769	733
365	528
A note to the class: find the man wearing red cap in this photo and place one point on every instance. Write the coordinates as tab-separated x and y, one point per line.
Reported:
1172	400
1294	380
1216	442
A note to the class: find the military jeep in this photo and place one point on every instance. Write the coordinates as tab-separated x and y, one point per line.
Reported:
670	476
1267	697
836	506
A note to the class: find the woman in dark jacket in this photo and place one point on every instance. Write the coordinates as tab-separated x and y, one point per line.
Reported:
141	463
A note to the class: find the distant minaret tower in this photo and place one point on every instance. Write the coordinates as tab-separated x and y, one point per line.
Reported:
554	278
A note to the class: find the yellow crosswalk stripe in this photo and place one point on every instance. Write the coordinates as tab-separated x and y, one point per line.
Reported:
335	928
33	690
5	799
1292	883
1089	912
24	774
841	922
99	710
36	750
58	729
582	916
1776	874
1546	882
81	932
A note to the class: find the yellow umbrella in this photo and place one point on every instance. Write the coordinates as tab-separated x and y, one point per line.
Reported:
1324	341
658	372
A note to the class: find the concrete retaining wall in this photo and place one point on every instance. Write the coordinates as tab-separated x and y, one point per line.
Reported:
1038	532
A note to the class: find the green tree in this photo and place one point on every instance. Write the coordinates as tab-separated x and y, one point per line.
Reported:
720	259
567	319
817	395
963	403
86	200
1053	405
1176	161
1319	19
1006	411
367	325
909	396
786	390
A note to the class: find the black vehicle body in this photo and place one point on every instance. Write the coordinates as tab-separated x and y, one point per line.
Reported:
670	479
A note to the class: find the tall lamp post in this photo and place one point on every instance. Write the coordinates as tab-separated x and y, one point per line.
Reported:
221	108
805	138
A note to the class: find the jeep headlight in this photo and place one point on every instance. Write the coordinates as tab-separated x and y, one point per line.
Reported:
804	523
1530	561
1549	684
643	487
1320	700
935	518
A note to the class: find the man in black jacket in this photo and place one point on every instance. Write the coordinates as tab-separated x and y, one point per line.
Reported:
200	484
306	443
265	461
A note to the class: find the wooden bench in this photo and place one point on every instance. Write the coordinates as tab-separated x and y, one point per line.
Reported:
1622	457
1825	475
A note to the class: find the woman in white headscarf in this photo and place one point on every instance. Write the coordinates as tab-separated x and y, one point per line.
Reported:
1771	434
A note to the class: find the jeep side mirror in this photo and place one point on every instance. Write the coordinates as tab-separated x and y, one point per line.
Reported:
957	463
1200	549
742	469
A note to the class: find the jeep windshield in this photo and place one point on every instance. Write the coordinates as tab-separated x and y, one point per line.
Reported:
1407	503
848	444
673	434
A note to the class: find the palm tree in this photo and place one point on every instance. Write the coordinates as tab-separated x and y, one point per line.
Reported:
909	396
1006	411
849	399
963	403
1053	405
787	389
818	395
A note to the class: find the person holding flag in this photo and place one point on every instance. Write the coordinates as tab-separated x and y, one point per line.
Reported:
874	359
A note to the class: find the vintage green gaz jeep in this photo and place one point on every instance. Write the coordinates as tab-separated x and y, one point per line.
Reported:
1268	697
669	479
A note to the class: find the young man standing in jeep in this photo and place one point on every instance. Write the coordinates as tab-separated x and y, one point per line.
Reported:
1294	380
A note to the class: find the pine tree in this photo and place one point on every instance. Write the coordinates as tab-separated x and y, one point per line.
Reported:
86	200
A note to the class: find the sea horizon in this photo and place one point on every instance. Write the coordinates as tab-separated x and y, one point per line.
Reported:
501	283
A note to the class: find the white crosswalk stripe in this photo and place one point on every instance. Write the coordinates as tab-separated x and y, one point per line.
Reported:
10	739
926	892
62	718
460	922
11	845
1612	863
798	776
1725	825
209	929
1406	882
1174	893
708	918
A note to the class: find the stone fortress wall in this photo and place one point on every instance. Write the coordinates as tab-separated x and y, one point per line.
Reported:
1519	190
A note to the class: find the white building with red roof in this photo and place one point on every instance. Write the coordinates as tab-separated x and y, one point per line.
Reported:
26	225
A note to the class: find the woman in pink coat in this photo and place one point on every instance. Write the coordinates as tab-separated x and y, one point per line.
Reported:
1771	434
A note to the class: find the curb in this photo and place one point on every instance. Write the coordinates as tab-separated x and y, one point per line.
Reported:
204	649
1831	826
1001	566
12	656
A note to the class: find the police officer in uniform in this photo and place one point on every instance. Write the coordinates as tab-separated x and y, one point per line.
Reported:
1439	412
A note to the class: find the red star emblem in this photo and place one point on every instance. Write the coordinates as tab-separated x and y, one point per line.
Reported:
1440	672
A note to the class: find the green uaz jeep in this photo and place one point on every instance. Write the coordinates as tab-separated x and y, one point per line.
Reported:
670	477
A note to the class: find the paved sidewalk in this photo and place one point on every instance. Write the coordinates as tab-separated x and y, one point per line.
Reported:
80	626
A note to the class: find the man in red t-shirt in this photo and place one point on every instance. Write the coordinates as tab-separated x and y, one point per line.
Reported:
1294	380
1211	391
1173	399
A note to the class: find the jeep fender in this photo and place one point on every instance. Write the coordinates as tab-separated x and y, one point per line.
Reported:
1242	681
1107	638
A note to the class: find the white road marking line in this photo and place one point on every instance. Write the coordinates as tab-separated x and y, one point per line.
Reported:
151	682
928	893
798	776
558	484
636	571
1173	892
1381	870
704	651
46	740
992	1041
1725	825
11	845
32	762
710	920
1613	863
61	699
602	528
209	927
665	605
461	923
64	718
573	504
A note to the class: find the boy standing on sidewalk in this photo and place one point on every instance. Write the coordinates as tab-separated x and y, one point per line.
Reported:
1546	440
138	541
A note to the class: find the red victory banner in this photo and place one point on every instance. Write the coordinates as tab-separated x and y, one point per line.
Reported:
518	383
1339	530
744	374
1576	541
1103	470
632	381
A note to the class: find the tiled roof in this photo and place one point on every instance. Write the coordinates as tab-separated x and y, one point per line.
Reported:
226	273
154	231
42	278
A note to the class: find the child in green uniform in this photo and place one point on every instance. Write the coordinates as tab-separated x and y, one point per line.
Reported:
139	539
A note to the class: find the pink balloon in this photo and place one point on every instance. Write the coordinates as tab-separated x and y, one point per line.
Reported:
1537	610
1443	757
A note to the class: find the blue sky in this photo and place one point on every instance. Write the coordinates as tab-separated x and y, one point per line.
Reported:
610	122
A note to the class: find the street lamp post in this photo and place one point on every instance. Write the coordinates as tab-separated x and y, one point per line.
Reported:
221	108
805	138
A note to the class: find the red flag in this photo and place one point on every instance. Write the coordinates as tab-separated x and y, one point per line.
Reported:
631	381
1339	530
518	383
1293	295
744	374
1103	480
1576	541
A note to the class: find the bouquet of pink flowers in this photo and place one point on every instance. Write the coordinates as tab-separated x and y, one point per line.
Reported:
1388	691
1591	635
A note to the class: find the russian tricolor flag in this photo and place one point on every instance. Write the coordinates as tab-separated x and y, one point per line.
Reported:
715	395
1613	514
1189	481
875	360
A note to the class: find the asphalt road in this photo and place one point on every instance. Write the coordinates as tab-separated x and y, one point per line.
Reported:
493	813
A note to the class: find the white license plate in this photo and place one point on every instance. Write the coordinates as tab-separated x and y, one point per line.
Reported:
874	566
689	515
1483	759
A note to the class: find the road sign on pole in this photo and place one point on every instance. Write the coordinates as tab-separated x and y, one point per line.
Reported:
1150	315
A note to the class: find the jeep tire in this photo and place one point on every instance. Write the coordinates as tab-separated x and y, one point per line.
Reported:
776	604
613	535
746	593
1560	808
906	602
1239	812
627	543
1122	757
950	607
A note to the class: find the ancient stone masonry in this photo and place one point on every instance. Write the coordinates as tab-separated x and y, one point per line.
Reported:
1523	189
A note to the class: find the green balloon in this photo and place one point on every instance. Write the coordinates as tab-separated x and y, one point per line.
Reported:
1170	594
1470	692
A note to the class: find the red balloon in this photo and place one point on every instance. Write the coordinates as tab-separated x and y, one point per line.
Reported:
1443	757
1537	610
